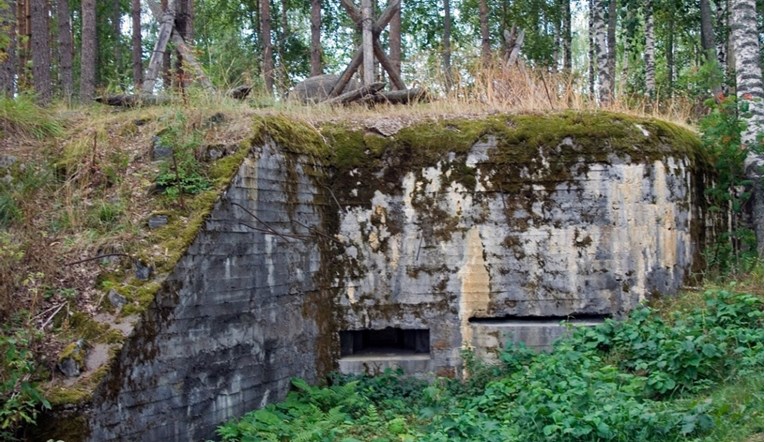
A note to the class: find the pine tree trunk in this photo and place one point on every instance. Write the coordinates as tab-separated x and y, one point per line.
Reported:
612	47
395	39
650	55
566	38
65	49
600	26
483	17
749	90
88	51
117	32
137	43
557	29
366	42
283	85
8	60
447	44
40	44
185	27
316	37
265	39
23	29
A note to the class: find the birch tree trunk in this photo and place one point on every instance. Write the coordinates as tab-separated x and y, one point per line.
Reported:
483	17
566	38
601	51
8	61
447	44
65	49
592	65
315	38
137	43
650	55
265	38
749	90
40	43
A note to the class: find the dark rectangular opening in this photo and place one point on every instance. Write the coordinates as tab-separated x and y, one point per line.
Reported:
584	317
388	340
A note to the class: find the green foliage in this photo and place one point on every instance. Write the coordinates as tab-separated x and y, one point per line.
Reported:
20	399
721	130
642	379
181	173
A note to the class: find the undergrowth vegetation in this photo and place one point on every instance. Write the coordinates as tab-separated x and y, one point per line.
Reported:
687	374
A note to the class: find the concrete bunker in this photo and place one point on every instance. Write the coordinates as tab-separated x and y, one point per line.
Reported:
429	233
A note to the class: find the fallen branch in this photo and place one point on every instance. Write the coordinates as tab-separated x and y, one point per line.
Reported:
50	318
133	100
357	94
398	97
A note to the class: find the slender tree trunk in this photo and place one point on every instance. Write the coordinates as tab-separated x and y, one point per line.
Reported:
447	43
650	55
167	76
592	65
395	39
65	49
283	71
483	17
40	42
749	90
23	31
612	47
566	38
137	43
557	45
671	51
88	51
265	39
8	52
708	40
722	32
316	37
117	32
601	51
366	42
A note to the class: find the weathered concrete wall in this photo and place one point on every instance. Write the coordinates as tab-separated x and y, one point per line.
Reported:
233	323
576	236
490	226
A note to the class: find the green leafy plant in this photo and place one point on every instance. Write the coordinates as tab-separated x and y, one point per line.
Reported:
181	173
20	399
650	377
721	131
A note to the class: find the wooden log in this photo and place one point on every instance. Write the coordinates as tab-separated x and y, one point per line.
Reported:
398	83
357	94
347	73
183	48
367	42
133	100
155	62
398	97
385	17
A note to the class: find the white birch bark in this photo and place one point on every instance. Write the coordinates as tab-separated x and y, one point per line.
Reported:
650	53
600	26
748	54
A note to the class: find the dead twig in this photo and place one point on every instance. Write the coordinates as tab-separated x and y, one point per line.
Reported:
50	318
